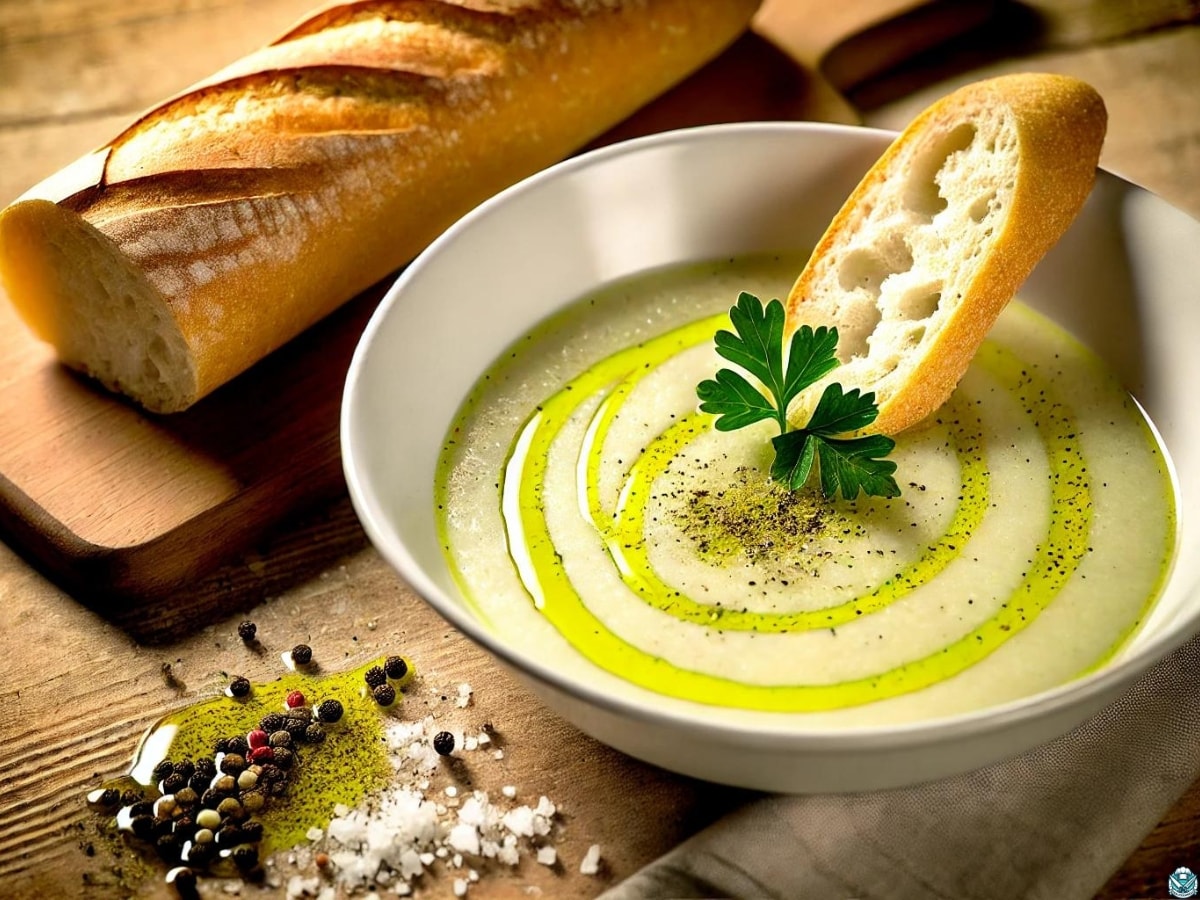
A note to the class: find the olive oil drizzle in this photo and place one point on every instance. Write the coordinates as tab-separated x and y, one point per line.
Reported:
545	577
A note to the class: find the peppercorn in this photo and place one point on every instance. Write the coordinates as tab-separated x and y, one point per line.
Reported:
247	780
225	785
206	767
230	835
374	676
233	764
385	695
184	882
188	796
396	667
168	847
252	831
142	826
321	859
330	711
173	782
186	768
260	755
208	818
296	727
239	687
443	743
229	808
210	798
141	808
237	745
257	738
284	757
109	798
162	770
221	746
270	774
203	836
302	654
294	699
199	783
185	826
166	805
314	734
281	738
131	796
247	630
201	854
253	800
162	826
271	722
245	857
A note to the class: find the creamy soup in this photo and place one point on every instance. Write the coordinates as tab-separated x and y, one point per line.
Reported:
597	520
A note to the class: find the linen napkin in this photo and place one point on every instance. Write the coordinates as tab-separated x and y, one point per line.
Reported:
1053	823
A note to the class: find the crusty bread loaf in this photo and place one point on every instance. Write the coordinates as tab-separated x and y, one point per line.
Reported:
943	230
229	218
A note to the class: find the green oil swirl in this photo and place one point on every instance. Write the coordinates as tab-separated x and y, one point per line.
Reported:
602	391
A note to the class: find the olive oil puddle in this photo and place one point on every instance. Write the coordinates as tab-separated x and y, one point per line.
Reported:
350	763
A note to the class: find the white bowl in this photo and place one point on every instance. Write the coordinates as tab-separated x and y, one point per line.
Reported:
1121	280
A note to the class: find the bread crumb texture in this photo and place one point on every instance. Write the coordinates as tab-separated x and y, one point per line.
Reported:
942	231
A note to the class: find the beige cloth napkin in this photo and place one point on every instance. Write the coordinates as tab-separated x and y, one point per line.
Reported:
1053	823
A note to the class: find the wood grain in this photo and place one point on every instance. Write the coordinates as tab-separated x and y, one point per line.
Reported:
78	685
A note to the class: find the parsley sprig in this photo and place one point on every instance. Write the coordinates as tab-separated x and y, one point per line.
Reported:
848	464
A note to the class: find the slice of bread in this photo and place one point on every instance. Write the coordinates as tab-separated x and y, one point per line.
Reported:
943	230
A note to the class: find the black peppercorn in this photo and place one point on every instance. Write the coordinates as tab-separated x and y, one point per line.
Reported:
109	798
168	847
173	782
443	743
188	796
281	738
239	687
141	808
385	695
163	825
233	764
396	667
237	745
184	882
221	746
295	726
229	835
206	767
130	797
302	654
252	831
185	827
142	826
374	676
271	722
186	768
202	854
314	733
162	770
284	757
199	782
247	630
245	857
330	711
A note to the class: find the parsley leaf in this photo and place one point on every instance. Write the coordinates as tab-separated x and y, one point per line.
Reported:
848	465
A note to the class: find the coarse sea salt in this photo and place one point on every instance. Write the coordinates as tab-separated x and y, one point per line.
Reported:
402	833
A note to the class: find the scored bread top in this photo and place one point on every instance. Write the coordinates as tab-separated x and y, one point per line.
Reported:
229	218
943	230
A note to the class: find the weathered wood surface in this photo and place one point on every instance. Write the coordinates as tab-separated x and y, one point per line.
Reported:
78	686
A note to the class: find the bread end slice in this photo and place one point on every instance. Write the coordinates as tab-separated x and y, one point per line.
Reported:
78	292
943	230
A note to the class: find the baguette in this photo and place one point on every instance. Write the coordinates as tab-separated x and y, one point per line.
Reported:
229	218
943	230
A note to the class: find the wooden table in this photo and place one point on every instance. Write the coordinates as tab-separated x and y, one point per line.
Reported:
78	686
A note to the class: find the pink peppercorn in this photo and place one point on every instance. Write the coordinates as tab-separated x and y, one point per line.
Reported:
294	699
261	755
257	738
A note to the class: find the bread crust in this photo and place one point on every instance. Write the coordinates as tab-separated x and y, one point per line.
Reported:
253	204
1059	125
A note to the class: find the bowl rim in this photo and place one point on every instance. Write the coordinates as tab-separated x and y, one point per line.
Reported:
974	723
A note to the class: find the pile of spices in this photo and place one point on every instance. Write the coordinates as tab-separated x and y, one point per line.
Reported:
219	785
